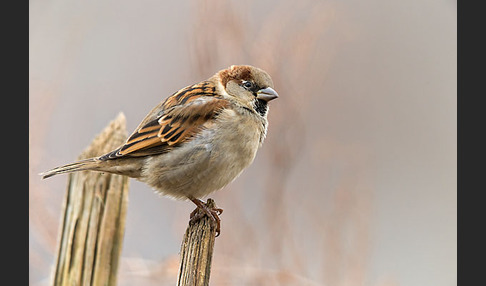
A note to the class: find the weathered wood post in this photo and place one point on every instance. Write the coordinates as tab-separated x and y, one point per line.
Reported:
91	233
197	251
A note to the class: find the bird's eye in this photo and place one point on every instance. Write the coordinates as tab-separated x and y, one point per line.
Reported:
247	84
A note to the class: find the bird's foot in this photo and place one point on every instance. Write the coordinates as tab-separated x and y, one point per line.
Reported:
204	210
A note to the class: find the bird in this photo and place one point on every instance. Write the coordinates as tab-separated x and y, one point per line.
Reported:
196	141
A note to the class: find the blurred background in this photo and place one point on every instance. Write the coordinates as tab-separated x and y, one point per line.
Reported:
356	181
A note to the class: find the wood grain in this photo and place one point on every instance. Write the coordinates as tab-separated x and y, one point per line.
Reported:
93	223
197	252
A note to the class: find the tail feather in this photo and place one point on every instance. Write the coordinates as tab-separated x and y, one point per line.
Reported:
87	164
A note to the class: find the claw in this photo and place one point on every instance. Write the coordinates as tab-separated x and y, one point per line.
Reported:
212	213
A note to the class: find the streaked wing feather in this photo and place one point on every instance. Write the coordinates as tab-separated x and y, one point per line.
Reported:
180	117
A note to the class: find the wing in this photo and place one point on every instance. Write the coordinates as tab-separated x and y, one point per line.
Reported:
176	120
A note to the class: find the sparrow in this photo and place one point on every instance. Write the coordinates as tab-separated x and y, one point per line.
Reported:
196	141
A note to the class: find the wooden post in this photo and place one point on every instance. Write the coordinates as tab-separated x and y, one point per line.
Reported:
91	233
197	251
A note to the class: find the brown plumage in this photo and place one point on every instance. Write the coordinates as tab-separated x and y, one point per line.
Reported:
196	141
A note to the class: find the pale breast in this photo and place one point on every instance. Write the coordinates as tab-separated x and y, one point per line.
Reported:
210	161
